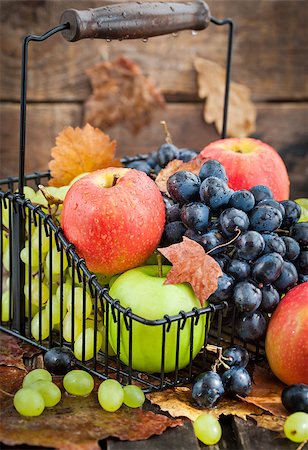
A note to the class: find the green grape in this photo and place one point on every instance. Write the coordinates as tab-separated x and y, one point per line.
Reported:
24	256
35	375
35	292
29	402
68	334
49	391
6	259
56	264
29	193
207	429
88	337
5	241
296	427
66	289
62	191
78	303
35	322
44	240
102	329
110	395
5	216
34	309
56	309
78	382
5	306
133	396
303	203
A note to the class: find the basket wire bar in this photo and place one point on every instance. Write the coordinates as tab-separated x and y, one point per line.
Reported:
25	217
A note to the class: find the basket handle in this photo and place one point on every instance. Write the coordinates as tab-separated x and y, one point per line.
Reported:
135	20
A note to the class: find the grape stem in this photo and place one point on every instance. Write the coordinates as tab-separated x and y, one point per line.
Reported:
219	361
168	137
238	232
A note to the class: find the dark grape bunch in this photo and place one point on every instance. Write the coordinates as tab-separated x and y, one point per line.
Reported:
158	160
208	387
258	242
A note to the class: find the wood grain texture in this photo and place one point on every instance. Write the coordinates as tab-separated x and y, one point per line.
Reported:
282	125
270	53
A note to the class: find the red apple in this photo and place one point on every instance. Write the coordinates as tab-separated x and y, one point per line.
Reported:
286	343
115	218
249	162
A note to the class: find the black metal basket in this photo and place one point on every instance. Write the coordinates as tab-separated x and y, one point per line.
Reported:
23	311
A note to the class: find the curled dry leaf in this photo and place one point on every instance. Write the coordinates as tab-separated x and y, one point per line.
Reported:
175	166
178	403
121	94
266	392
80	150
191	264
242	112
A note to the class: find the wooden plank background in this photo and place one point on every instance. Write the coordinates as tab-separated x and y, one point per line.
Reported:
270	57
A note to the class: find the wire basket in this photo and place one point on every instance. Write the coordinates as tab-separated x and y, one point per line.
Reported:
43	281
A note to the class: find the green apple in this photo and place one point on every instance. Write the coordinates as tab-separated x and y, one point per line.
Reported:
144	291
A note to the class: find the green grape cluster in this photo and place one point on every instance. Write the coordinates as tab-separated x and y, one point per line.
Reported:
111	395
37	393
43	294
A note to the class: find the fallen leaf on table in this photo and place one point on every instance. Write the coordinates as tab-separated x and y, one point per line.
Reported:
79	423
266	392
175	166
11	379
80	150
191	264
178	403
241	113
12	351
270	422
121	94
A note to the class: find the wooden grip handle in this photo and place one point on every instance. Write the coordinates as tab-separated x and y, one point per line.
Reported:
135	20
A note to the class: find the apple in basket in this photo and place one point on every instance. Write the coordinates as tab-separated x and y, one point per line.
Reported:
115	218
144	291
249	162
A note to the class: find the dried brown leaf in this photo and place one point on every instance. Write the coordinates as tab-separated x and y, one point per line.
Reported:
191	264
242	112
79	423
121	94
266	392
80	150
11	351
178	403
270	422
175	166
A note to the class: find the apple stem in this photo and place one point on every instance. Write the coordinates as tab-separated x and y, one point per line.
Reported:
115	179
238	232
159	265
168	137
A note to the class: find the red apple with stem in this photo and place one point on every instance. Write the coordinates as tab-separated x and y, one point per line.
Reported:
249	162
286	343
115	218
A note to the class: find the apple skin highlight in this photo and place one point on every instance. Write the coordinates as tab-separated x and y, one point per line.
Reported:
114	228
249	162
286	343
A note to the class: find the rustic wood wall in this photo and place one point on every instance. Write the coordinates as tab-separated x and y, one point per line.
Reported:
270	57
